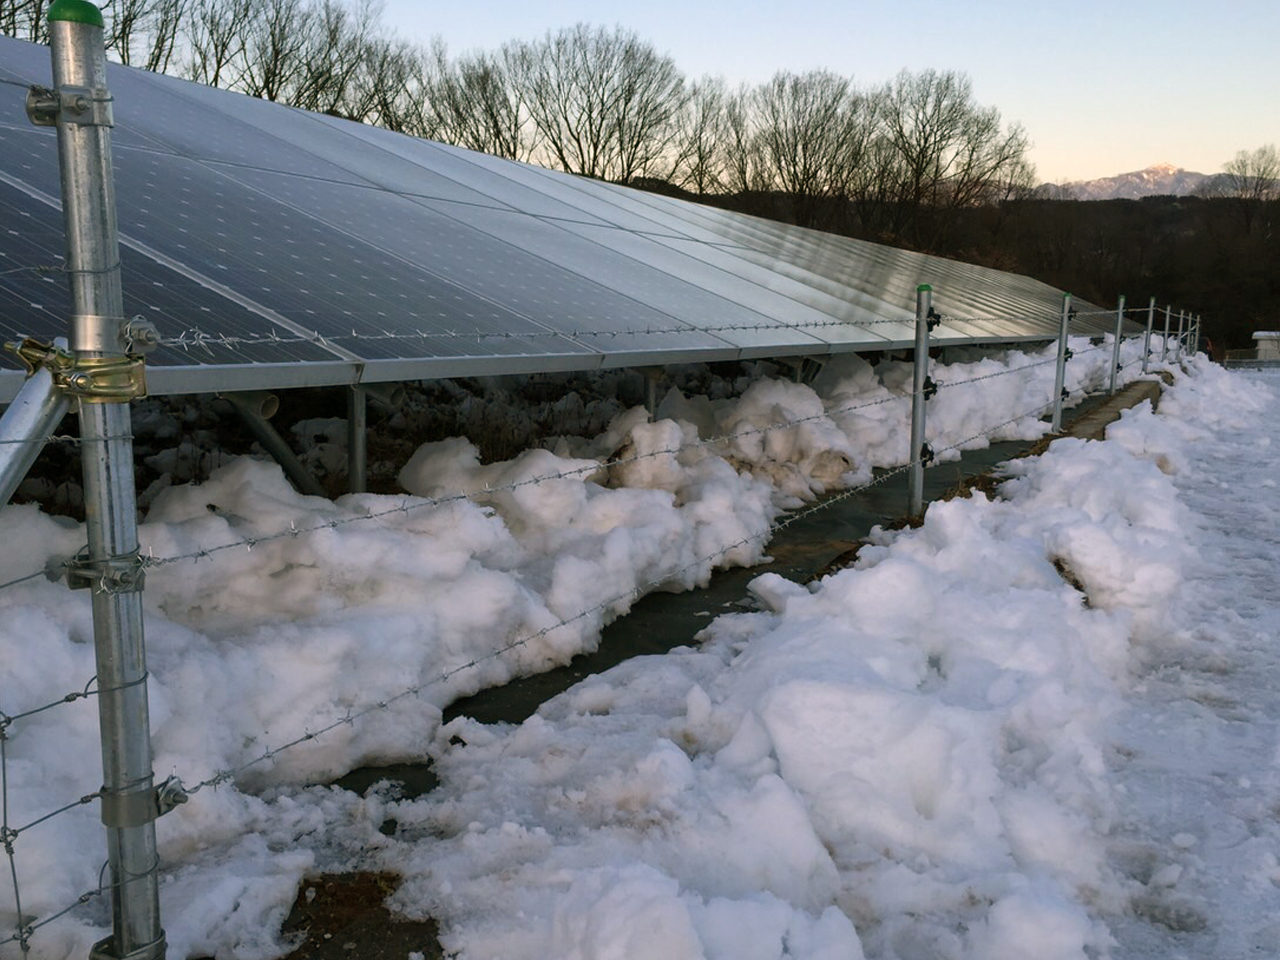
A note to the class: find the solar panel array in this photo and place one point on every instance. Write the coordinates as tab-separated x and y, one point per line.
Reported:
275	248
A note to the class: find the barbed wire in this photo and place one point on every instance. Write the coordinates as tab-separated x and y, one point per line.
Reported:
196	338
593	466
572	473
405	507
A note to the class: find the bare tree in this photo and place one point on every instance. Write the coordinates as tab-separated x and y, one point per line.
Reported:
699	147
742	163
1252	179
389	88
217	37
24	19
474	104
950	151
603	103
144	33
812	131
277	40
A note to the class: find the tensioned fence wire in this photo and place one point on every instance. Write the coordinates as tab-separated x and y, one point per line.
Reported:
26	930
10	834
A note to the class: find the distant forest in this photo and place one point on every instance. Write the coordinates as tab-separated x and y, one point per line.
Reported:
914	162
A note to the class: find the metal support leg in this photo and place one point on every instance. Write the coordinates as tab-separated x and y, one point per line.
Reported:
254	408
1115	348
1177	355
357	440
919	452
1164	343
1060	377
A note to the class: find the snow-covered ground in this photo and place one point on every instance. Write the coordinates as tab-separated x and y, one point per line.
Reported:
1040	725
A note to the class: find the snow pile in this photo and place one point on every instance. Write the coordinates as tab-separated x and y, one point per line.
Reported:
915	738
917	743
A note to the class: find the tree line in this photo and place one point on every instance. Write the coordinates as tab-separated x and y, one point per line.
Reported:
598	102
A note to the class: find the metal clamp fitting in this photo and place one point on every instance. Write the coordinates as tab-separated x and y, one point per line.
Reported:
81	106
135	808
105	379
90	379
113	575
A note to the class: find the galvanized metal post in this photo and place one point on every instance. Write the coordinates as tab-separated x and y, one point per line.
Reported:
1177	355
1164	343
1146	344
357	440
1060	377
80	106
915	478
1115	348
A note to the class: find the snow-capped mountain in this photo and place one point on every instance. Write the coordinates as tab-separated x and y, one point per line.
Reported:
1163	179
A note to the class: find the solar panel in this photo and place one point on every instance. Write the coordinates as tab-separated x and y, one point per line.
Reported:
275	247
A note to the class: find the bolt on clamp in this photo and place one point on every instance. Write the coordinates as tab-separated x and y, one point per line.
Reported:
113	575
81	106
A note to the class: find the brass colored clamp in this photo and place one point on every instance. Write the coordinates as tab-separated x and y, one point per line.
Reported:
105	379
89	379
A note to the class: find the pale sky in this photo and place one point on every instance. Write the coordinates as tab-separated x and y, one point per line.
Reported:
1101	87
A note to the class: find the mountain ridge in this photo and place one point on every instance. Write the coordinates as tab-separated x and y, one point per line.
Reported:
1160	179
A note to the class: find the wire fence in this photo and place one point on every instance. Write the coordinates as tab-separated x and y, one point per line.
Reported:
9	834
26	927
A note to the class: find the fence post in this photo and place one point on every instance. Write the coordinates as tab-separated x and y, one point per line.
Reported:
1164	343
922	390
103	377
1060	377
1177	351
1115	349
1146	344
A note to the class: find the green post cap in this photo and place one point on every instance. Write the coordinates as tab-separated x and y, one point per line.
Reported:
76	11
924	288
